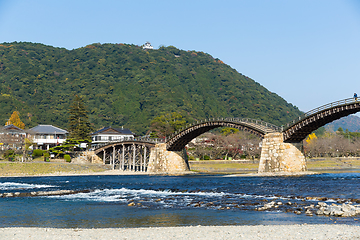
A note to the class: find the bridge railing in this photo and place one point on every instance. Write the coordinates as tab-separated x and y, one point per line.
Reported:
137	139
319	109
227	119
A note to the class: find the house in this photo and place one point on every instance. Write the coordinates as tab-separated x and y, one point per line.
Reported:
47	136
11	137
110	134
147	45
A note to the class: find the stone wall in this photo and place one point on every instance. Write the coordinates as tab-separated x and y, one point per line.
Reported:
87	157
165	161
277	156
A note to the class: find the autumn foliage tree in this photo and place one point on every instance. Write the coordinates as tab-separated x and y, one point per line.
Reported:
15	120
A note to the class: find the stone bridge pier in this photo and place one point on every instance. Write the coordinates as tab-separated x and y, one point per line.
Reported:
277	156
164	161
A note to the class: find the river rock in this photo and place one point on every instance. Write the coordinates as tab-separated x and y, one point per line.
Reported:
8	195
344	210
335	210
267	206
308	212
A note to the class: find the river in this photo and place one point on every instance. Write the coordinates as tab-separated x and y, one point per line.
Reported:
149	201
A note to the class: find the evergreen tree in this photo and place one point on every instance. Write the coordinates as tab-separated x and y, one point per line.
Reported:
79	125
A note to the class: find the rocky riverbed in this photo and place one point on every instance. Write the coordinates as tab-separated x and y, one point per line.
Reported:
41	193
348	209
333	207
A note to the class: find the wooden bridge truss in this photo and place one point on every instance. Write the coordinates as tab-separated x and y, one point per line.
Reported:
127	156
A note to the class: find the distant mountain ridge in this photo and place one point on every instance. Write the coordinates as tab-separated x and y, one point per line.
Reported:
125	85
351	123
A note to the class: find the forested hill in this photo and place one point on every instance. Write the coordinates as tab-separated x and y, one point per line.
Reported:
124	85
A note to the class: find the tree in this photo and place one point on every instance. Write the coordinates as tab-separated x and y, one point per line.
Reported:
340	130
79	125
167	124
228	131
69	145
15	120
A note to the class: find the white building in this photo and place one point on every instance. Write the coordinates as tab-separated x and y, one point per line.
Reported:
147	45
110	134
47	136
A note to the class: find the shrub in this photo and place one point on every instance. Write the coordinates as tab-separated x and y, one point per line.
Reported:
206	157
37	153
67	158
9	153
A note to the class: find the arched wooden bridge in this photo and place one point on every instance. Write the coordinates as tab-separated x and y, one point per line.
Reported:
178	140
134	155
299	128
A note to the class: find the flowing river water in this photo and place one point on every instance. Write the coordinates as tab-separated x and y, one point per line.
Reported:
148	201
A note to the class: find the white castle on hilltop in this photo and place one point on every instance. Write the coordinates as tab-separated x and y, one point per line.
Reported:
147	45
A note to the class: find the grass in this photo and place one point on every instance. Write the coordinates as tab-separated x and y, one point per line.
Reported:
333	163
223	166
42	168
323	165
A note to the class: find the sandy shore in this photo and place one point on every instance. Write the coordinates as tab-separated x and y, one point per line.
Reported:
196	232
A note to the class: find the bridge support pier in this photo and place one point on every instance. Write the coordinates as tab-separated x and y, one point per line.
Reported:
277	156
165	161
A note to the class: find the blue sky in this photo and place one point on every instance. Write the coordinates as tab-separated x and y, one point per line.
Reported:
306	51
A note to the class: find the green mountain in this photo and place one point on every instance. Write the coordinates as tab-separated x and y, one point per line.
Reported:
351	123
124	85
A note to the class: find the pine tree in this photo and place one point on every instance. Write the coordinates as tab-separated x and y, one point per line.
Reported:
79	125
15	120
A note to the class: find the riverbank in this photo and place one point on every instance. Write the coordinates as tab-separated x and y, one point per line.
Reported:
34	169
234	167
11	169
251	166
194	232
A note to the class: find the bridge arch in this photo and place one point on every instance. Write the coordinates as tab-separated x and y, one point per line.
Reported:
299	128
178	140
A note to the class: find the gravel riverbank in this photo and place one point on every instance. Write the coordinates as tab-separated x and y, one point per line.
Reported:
195	232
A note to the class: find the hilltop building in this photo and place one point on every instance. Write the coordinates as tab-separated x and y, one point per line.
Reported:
147	45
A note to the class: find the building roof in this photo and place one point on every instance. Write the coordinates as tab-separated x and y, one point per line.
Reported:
111	130
11	128
47	129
